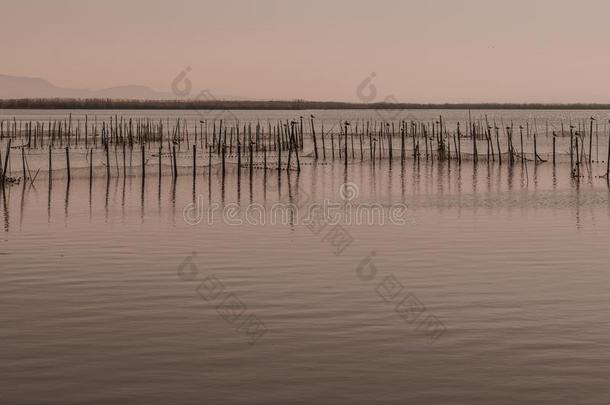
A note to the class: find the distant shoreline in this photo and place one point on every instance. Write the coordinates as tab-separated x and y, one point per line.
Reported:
110	104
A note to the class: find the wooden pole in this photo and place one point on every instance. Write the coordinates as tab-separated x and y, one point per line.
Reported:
50	162
459	144
23	164
571	146
195	160
521	138
174	161
390	136
210	162
351	136
296	150
591	138
315	143
554	138
474	143
265	157
223	150
402	143
577	159
535	149
251	157
6	158
323	143
608	159
279	153
345	145
160	152
288	164
107	159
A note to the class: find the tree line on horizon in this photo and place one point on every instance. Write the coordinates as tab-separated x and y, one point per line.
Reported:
128	104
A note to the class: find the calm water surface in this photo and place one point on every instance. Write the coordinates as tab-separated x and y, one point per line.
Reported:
101	304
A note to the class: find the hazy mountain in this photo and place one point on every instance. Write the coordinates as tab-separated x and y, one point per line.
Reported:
29	87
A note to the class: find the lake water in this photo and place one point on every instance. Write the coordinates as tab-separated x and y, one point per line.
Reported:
492	289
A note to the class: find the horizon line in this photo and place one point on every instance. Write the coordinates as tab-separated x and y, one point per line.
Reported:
295	104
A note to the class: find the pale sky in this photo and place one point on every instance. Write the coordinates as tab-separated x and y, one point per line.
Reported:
420	51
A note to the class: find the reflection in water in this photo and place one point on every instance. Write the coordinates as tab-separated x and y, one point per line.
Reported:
389	199
50	189
402	182
22	205
250	190
143	197
440	186
489	177
511	175
5	209
238	168
443	258
475	180
608	195
173	198
90	196
115	192
123	198
209	188
159	192
67	202
194	190
222	186
577	205
546	238
106	198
